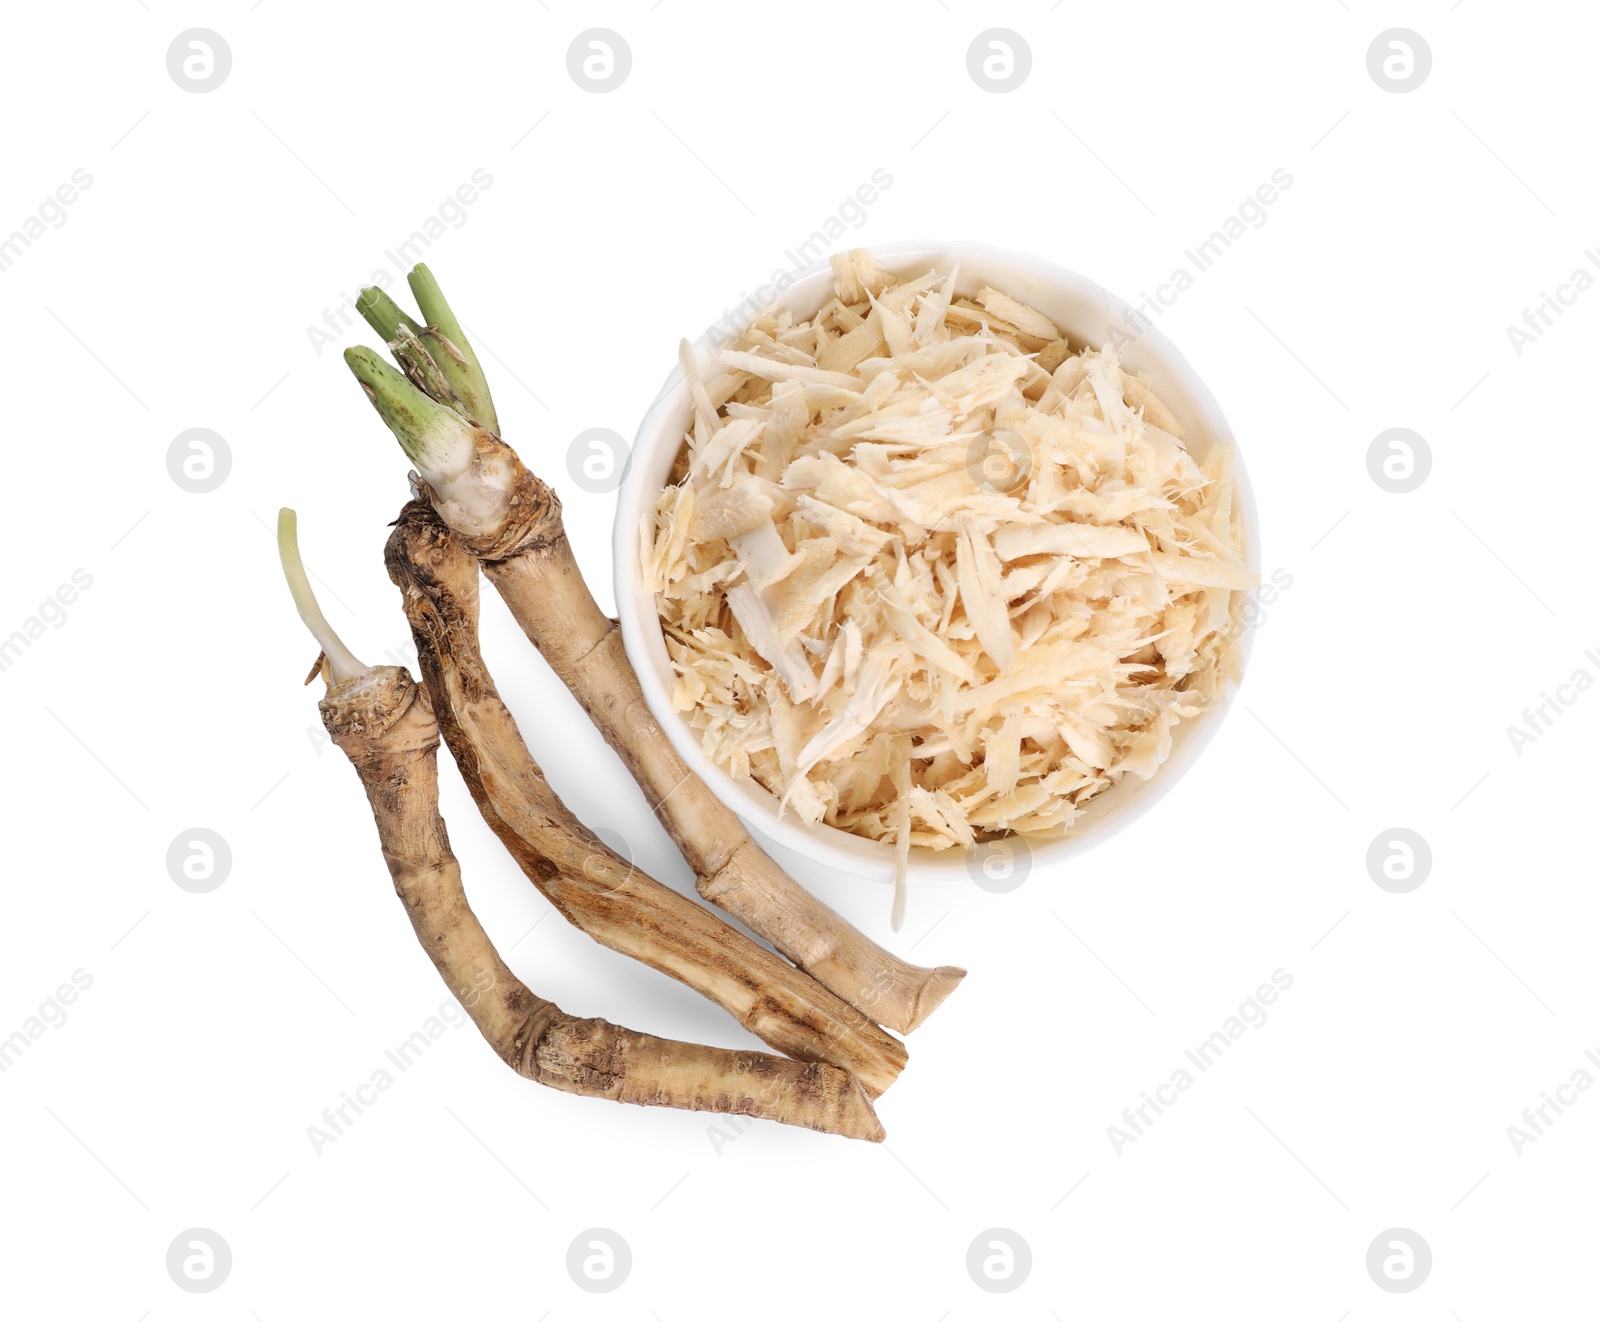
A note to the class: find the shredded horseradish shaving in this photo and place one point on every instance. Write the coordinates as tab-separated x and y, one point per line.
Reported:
929	575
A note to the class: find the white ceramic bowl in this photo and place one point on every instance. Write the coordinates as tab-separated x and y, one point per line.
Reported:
1087	313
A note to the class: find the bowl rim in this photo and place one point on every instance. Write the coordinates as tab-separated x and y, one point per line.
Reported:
1109	812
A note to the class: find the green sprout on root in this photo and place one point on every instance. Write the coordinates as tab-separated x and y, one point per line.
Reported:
435	352
437	439
343	664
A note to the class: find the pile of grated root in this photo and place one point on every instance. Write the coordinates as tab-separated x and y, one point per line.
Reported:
931	575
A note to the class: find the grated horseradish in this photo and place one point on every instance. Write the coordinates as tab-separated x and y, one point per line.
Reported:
928	573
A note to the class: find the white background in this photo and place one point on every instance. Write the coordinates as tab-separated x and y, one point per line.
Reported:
178	294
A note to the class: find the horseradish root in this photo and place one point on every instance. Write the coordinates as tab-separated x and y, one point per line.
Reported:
598	892
381	720
511	521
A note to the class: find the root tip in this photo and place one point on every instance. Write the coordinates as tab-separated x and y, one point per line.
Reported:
940	983
860	1120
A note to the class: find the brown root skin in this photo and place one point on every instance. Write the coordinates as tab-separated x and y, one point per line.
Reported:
598	892
383	723
594	1058
527	513
530	563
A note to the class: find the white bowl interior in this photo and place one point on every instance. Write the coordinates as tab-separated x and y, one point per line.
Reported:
1087	313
